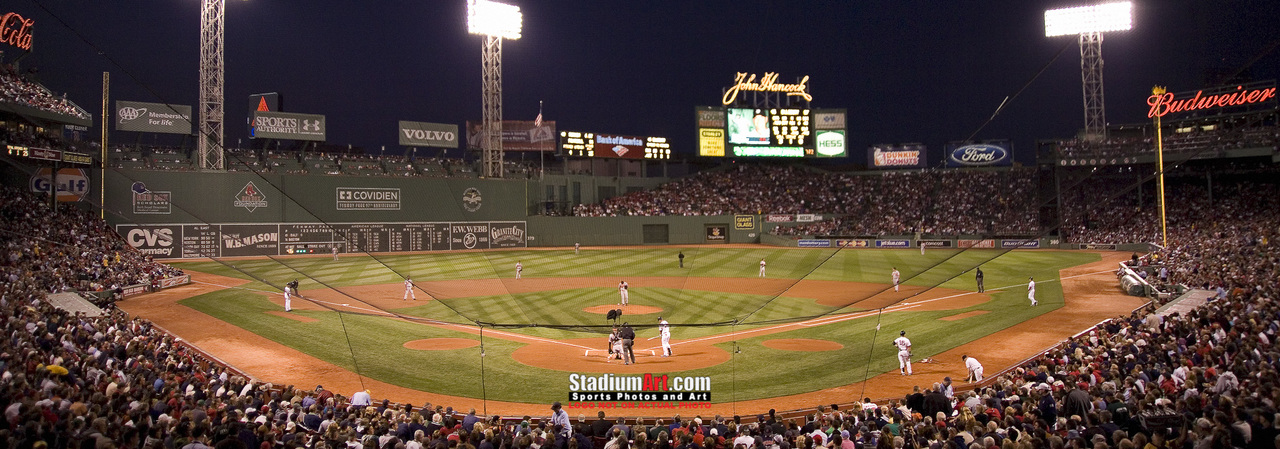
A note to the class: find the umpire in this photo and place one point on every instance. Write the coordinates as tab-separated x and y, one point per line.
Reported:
628	336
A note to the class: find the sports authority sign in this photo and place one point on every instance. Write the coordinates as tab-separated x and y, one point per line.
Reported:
153	117
423	134
367	198
287	126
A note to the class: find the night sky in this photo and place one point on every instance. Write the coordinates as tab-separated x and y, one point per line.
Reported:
907	71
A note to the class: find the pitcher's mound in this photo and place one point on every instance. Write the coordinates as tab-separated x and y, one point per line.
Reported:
441	344
626	310
802	344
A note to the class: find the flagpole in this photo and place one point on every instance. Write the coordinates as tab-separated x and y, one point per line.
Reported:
542	167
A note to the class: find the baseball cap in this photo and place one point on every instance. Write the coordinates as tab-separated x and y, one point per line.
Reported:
902	333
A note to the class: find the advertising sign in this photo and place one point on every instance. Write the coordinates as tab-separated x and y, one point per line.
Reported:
710	118
744	222
717	233
469	235
518	135
614	146
979	154
933	243
72	183
987	243
368	198
249	240
830	143
15	30
853	243
157	241
711	142
902	156
829	120
1164	103
893	243
150	202
153	117
779	218
1106	246
287	126
218	240
423	134
507	235
1015	243
813	243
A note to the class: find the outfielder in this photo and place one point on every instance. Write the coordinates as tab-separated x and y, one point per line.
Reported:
762	267
622	291
1031	290
288	299
408	290
975	368
576	248
335	253
979	278
904	353
896	276
519	268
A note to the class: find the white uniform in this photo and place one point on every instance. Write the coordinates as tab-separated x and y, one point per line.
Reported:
519	268
288	300
896	277
335	253
408	290
576	247
761	267
1031	292
975	369
904	354
664	330
622	291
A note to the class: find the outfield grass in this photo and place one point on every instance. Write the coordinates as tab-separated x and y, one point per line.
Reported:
373	345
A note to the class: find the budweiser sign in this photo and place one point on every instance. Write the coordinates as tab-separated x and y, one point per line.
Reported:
15	30
767	83
1168	103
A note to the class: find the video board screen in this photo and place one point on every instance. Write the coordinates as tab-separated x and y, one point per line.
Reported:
776	132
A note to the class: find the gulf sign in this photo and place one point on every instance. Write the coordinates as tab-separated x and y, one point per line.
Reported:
72	183
979	155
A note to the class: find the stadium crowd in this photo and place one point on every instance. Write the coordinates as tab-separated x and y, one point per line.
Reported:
890	203
1205	379
14	88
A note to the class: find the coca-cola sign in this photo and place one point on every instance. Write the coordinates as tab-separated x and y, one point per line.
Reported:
978	155
15	30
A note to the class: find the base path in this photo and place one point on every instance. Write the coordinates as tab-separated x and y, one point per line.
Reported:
1091	294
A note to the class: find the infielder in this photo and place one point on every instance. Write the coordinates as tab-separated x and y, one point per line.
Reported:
288	300
519	268
408	290
896	276
904	353
762	267
975	368
1031	290
622	291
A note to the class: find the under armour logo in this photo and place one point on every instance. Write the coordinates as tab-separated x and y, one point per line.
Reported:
310	125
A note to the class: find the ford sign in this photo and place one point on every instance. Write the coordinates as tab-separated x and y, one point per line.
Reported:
978	155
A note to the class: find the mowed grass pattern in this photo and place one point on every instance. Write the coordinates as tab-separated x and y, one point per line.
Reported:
373	345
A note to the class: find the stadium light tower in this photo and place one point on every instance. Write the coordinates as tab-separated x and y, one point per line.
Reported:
209	142
495	21
1089	22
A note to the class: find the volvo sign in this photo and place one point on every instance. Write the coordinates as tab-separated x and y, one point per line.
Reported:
422	134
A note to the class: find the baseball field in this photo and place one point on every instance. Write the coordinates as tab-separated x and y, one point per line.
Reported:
818	327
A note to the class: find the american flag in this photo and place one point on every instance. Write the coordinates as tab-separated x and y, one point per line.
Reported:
537	122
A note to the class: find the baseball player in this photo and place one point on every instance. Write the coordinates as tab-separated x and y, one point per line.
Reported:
978	277
622	291
1031	290
904	353
615	345
576	248
335	253
896	277
408	290
975	368
519	268
762	267
288	300
664	331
